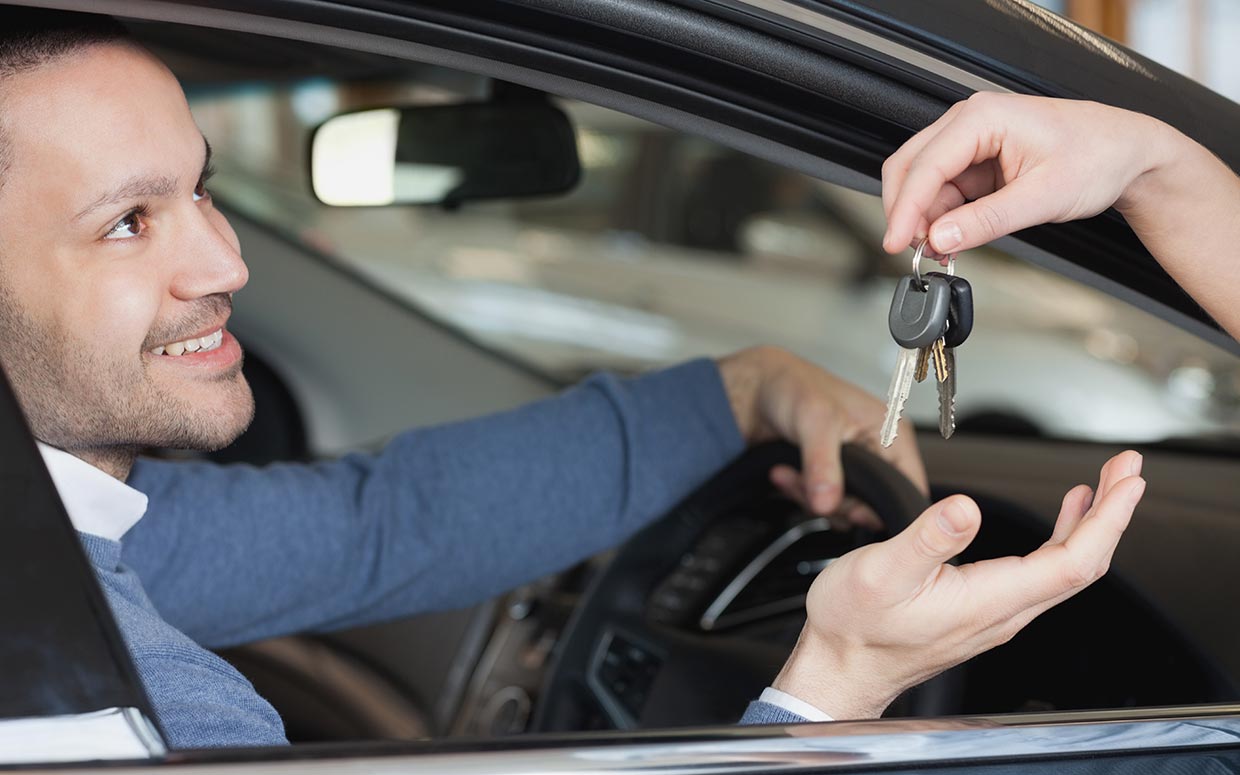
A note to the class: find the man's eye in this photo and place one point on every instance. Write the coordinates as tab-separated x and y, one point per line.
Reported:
128	227
201	192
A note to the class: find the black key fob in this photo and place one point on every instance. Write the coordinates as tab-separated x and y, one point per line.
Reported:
960	312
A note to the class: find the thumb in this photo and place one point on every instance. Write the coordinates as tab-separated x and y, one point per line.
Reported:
1018	205
941	532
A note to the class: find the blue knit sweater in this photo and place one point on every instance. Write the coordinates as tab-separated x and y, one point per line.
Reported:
443	517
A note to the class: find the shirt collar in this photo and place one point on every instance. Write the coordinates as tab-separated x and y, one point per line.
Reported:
97	503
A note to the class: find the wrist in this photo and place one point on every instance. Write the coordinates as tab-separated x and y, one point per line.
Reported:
742	378
839	684
1169	159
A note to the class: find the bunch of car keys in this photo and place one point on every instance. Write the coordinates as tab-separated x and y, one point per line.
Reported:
931	315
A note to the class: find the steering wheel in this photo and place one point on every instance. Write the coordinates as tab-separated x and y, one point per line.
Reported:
695	615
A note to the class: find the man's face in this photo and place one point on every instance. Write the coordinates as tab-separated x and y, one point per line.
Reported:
111	256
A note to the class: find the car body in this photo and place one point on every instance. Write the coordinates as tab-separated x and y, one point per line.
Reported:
828	90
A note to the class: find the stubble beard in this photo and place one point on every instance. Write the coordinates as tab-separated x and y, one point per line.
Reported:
107	410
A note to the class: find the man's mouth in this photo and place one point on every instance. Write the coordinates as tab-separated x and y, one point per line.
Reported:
199	344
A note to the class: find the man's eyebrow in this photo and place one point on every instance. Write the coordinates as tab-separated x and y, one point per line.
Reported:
142	187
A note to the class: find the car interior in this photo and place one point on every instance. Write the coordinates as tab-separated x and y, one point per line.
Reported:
449	297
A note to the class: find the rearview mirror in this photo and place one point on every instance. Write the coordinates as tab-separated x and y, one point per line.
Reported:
444	155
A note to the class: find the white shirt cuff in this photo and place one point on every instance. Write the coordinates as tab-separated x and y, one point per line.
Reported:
791	704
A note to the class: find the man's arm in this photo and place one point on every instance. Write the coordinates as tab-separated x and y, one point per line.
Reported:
442	517
450	515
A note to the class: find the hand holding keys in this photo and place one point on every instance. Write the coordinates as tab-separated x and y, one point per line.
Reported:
930	317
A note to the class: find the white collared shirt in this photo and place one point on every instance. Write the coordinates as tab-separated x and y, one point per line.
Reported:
97	503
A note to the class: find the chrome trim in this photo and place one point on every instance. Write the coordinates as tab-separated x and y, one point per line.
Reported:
710	619
804	748
792	12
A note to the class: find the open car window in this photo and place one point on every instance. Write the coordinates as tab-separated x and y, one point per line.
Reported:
672	246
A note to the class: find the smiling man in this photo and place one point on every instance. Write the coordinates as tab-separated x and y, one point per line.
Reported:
118	274
117	277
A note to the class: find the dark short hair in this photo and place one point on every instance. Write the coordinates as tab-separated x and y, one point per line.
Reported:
33	37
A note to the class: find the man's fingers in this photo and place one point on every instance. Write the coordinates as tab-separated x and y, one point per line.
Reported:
1094	541
1084	556
788	481
791	483
902	564
1126	463
823	473
850	512
1014	589
1079	500
1075	505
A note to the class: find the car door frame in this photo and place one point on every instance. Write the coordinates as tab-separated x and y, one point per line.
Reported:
826	117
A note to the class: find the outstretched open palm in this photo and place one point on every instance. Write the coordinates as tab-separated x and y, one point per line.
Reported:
888	616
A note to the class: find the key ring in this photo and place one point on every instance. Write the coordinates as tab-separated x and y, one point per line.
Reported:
918	255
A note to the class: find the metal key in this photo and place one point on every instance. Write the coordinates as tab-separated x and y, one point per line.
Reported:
947	395
945	373
923	364
917	319
938	351
959	326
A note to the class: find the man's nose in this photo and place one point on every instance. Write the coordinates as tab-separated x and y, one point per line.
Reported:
210	259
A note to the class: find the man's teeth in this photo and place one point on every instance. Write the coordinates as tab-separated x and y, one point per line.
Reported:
200	344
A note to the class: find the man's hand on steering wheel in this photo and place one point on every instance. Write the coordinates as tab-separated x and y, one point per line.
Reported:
776	395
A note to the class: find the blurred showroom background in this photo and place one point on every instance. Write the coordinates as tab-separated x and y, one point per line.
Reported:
673	246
